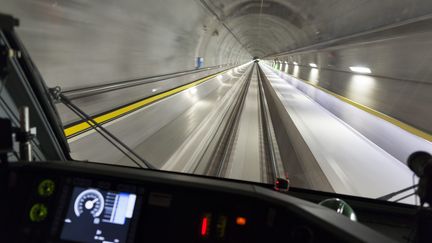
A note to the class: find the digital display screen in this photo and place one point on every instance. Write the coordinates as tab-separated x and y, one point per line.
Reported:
96	215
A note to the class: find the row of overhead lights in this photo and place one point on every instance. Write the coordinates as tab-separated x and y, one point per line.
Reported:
356	69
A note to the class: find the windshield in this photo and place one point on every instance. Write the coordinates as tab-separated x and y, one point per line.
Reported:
332	95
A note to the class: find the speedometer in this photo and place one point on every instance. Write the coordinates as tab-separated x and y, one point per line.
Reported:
89	201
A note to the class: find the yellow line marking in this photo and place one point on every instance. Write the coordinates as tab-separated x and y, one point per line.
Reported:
70	131
371	111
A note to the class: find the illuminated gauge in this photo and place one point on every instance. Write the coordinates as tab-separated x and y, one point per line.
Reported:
89	201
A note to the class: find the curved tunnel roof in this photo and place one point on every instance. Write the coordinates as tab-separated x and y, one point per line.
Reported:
268	27
83	43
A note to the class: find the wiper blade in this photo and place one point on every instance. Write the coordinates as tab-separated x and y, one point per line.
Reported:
393	194
138	160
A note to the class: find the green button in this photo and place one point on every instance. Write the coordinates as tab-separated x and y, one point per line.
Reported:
38	212
46	188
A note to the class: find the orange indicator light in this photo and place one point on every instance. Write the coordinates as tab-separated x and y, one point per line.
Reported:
241	221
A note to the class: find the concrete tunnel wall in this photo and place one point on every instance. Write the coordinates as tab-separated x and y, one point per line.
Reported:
290	24
84	43
399	57
79	43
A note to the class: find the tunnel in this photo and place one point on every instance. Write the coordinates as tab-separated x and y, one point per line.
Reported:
332	95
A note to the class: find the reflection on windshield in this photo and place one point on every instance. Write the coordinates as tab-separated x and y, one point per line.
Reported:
245	91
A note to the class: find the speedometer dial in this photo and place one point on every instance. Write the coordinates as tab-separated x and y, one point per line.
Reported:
89	201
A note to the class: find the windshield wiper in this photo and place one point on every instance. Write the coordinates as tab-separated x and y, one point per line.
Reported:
393	194
138	160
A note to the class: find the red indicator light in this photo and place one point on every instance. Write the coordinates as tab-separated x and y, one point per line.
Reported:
241	221
204	226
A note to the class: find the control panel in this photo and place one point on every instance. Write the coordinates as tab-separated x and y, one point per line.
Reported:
81	202
98	215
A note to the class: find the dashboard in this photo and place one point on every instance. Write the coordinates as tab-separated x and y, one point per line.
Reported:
88	202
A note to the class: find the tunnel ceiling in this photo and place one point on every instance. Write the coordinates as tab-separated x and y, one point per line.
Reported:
79	43
266	27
